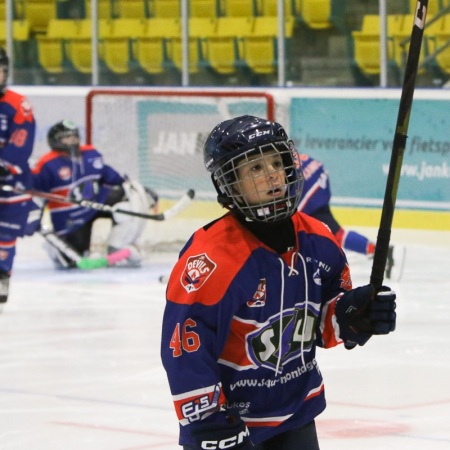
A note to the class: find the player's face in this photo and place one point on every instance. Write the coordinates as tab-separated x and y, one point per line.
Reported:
70	140
261	178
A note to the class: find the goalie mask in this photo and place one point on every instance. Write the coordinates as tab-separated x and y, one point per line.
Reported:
64	137
255	168
4	70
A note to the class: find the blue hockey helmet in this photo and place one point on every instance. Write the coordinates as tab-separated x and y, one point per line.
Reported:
234	141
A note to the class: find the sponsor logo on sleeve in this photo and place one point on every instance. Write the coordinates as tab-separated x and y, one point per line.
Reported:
346	280
259	297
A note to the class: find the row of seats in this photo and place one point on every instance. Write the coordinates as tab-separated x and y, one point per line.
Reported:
317	14
220	43
435	45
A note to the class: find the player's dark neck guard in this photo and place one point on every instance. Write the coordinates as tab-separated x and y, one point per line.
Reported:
279	236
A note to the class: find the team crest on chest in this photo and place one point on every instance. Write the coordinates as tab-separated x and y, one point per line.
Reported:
65	173
197	270
259	297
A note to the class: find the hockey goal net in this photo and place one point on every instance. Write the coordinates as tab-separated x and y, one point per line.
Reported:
157	137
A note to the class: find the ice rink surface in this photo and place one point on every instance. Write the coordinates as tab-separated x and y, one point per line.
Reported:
80	366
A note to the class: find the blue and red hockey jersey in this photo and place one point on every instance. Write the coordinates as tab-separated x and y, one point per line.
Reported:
17	131
242	322
316	189
86	177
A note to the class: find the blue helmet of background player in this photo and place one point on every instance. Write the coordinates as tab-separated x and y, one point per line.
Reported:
4	68
235	140
64	137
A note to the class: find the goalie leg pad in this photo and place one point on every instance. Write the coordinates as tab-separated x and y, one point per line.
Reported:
127	229
59	260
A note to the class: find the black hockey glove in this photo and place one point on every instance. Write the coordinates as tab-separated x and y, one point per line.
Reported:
233	435
4	171
363	312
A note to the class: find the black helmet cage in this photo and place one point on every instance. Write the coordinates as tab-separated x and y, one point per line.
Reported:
4	62
60	131
225	179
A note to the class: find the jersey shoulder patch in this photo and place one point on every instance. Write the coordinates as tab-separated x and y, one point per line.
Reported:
210	263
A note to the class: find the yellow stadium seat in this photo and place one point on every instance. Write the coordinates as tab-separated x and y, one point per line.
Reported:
221	53
51	46
21	30
79	53
62	28
3	10
149	53
234	26
316	13
79	47
116	54
268	26
127	27
401	38
236	8
105	9
85	28
51	54
175	51
442	44
200	27
270	8
117	47
165	8
229	33
162	27
151	47
259	49
131	9
21	35
259	54
203	8
39	13
367	41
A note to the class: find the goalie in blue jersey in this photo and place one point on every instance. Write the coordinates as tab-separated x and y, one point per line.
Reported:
78	172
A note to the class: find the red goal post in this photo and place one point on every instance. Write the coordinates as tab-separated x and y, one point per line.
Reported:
157	135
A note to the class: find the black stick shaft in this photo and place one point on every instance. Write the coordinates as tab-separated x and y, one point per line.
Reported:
175	209
398	147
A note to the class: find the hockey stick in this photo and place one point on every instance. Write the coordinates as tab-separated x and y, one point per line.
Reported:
81	262
398	147
182	203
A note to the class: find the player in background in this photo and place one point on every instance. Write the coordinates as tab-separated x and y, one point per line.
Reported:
251	297
316	203
17	130
78	172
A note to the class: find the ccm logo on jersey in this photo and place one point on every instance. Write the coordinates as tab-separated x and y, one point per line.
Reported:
229	442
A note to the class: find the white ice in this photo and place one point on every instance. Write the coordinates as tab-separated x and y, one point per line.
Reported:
80	365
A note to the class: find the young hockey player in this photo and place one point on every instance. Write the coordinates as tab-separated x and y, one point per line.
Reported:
316	203
251	297
79	173
17	130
